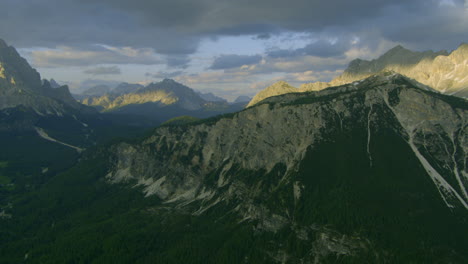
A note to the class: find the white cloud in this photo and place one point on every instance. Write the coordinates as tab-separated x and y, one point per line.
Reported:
93	55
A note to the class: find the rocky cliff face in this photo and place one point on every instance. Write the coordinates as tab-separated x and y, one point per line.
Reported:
366	145
442	71
20	84
280	132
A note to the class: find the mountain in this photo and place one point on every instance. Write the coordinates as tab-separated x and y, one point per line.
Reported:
210	97
43	129
54	84
21	85
275	89
368	172
440	70
242	99
166	92
160	102
443	71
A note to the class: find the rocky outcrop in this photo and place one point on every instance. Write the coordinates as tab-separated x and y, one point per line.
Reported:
275	89
20	84
442	71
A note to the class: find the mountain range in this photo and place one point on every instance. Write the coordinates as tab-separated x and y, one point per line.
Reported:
362	171
368	172
159	101
442	71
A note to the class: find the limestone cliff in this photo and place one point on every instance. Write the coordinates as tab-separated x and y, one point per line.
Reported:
442	71
384	150
21	85
283	128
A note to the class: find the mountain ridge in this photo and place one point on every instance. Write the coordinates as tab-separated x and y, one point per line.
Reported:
443	71
366	172
20	84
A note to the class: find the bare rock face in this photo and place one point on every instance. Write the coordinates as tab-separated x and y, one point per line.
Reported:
282	129
20	84
277	88
444	72
265	164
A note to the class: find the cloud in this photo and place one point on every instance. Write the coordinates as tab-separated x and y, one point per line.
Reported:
176	27
216	77
263	36
93	55
88	83
234	61
111	70
164	75
178	61
320	48
88	34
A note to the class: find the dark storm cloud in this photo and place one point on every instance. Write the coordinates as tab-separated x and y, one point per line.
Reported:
102	70
49	23
178	61
175	27
320	48
233	61
263	36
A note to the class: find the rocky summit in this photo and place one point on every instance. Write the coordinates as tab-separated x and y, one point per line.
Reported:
442	71
21	85
275	89
160	101
166	92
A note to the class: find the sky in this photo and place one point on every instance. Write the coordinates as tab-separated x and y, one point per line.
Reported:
226	47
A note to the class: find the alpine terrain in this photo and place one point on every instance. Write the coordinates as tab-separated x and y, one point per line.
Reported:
368	172
159	101
43	129
443	71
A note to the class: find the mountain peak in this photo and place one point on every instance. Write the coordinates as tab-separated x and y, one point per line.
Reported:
397	48
281	83
397	52
278	88
167	80
54	84
16	70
